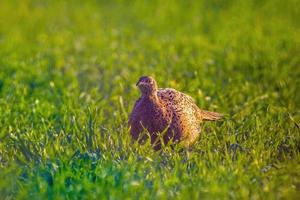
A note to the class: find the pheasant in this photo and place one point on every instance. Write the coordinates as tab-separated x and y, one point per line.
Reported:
167	115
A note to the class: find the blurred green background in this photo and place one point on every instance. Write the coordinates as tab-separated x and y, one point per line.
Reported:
67	85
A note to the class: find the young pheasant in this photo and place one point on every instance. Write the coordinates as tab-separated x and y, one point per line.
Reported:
168	112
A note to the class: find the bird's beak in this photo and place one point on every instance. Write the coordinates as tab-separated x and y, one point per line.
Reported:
137	84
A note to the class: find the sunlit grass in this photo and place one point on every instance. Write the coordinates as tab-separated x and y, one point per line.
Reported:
67	85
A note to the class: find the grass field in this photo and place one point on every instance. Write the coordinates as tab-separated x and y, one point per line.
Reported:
67	85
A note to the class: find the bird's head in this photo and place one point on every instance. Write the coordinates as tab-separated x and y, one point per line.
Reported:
147	85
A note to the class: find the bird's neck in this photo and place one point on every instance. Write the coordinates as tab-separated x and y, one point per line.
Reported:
152	97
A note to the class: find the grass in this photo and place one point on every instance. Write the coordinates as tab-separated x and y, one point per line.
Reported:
67	75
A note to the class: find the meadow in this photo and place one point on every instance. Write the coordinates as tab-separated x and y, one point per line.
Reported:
67	85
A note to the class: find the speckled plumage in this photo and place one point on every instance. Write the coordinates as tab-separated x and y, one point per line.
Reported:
166	111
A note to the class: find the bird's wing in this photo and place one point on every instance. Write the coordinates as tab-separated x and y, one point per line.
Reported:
175	97
181	101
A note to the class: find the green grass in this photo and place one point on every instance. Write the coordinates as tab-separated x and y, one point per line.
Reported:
67	85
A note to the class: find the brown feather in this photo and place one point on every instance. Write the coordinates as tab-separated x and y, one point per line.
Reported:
168	111
210	116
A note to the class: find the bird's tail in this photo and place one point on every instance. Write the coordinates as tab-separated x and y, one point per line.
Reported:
210	116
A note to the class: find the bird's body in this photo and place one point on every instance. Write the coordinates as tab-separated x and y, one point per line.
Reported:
166	111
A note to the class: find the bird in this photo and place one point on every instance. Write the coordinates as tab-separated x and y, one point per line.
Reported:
166	115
